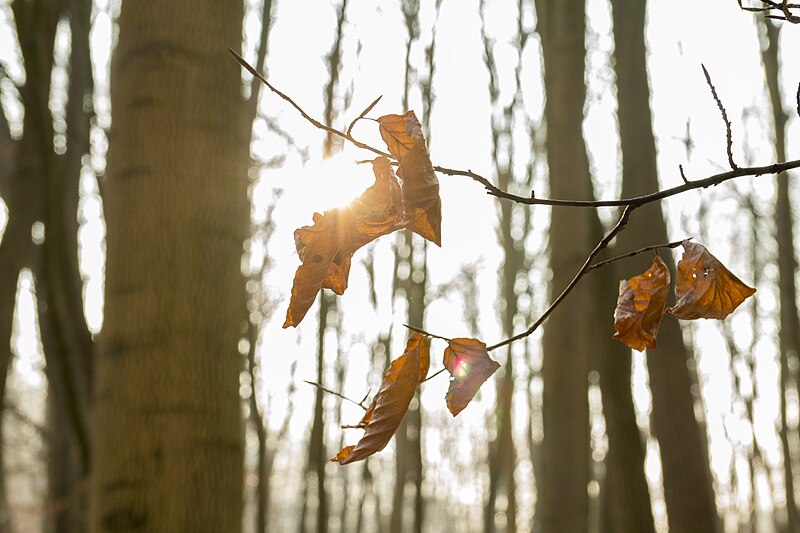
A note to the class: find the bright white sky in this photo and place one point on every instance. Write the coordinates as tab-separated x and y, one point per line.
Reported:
681	35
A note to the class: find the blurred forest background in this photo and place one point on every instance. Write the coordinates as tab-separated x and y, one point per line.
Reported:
150	189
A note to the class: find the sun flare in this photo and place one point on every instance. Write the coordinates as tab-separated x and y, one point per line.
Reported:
325	184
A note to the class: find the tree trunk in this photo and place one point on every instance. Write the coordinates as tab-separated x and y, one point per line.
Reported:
61	283
627	499
167	427
567	346
502	457
789	338
411	250
11	257
26	166
687	479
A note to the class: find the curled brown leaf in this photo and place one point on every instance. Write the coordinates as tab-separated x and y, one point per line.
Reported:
405	140
327	247
640	306
391	402
704	287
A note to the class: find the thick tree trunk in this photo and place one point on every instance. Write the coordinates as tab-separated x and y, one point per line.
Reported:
167	426
567	346
687	480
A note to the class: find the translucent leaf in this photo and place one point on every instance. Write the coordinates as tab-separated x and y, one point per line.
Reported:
390	404
704	288
327	247
469	366
640	306
403	136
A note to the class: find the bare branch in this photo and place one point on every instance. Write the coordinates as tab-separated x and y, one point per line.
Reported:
770	6
433	375
602	245
683	175
637	201
728	134
493	190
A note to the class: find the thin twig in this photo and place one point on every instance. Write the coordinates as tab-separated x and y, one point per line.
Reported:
728	133
362	115
434	375
674	244
342	396
306	116
798	99
422	331
603	244
683	175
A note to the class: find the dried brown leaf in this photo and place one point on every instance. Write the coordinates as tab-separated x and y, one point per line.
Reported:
640	306
390	403
469	366
327	247
405	140
316	246
704	288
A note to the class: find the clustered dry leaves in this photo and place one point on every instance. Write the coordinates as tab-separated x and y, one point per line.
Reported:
410	199
704	288
412	202
469	365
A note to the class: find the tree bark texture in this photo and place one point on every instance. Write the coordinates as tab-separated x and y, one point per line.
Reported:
168	429
684	456
567	344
